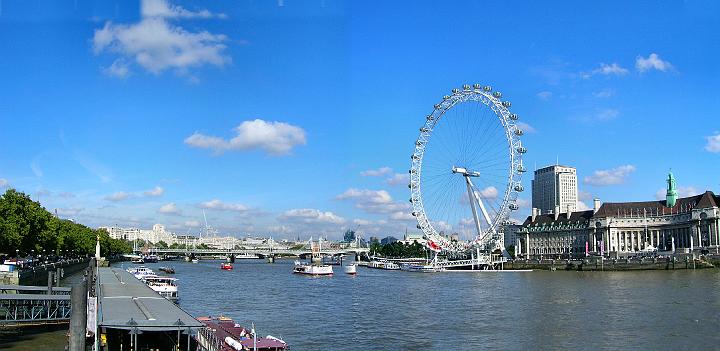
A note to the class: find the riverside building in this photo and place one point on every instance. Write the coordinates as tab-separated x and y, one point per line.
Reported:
676	225
554	189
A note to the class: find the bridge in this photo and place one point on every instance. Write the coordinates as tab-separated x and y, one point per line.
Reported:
260	252
33	305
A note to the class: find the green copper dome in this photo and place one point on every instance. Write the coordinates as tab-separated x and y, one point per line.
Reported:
672	194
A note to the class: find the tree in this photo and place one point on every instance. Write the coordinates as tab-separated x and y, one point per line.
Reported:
161	244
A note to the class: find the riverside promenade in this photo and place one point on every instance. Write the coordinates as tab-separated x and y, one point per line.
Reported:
680	261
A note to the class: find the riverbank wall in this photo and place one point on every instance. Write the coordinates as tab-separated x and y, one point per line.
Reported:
629	264
39	275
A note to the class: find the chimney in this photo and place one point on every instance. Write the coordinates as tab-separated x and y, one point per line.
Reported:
535	213
596	205
557	212
569	211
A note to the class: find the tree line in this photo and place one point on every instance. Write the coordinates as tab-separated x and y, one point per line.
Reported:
26	228
398	250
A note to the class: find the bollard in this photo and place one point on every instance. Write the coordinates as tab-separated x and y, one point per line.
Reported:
78	317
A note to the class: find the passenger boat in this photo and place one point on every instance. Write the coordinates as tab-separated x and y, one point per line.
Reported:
226	266
384	265
140	272
351	269
223	334
138	260
422	268
312	269
165	286
150	259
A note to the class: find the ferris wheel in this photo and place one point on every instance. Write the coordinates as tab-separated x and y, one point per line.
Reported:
466	170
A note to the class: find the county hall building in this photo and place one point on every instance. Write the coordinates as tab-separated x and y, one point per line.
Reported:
678	225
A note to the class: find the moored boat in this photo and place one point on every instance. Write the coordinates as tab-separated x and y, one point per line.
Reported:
226	266
422	268
312	269
165	286
140	272
351	269
223	334
168	270
138	260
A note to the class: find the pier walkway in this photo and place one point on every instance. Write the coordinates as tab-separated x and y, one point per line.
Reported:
130	315
21	309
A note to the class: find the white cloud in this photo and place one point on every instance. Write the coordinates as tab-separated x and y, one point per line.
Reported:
544	95
216	204
169	208
581	206
613	69
66	195
612	176
361	222
526	127
160	8
35	166
398	179
523	203
68	211
310	215
118	196
156	45
713	143
376	172
401	216
4	182
155	192
489	193
373	201
683	191
192	224
119	68
604	93
275	138
584	195
652	62
607	114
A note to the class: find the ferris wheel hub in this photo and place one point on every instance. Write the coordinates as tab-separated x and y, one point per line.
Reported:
465	172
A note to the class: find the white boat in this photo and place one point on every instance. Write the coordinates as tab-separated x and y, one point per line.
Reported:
351	269
384	265
194	260
312	269
140	272
165	286
422	268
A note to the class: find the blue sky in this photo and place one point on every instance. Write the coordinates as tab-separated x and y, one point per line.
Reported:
268	114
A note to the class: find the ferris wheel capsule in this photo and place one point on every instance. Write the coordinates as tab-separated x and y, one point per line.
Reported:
497	94
456	91
487	88
506	104
476	86
514	207
521	149
518	131
519	188
466	87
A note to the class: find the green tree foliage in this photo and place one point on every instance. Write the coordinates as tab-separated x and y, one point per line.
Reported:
26	226
399	250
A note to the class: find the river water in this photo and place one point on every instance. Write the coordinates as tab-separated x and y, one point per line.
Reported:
394	310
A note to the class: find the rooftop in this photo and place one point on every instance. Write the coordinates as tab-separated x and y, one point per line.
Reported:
122	297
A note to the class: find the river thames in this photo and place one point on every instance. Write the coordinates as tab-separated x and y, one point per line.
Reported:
395	310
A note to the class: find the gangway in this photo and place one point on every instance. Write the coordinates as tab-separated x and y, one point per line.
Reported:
33	309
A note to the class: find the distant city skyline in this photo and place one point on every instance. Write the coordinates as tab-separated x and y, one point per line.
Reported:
137	113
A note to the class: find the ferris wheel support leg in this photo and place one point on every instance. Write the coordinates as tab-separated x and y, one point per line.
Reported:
471	195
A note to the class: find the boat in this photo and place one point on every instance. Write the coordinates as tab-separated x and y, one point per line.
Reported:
351	269
194	260
138	260
312	269
226	266
151	259
168	270
384	265
140	272
165	286
422	268
223	333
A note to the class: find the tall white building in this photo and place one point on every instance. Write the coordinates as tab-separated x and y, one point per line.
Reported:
555	188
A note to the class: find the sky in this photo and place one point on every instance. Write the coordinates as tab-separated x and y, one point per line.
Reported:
296	118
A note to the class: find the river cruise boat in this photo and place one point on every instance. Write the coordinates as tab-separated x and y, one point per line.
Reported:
140	272
384	265
422	268
312	269
138	260
167	270
223	334
151	259
165	286
226	266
